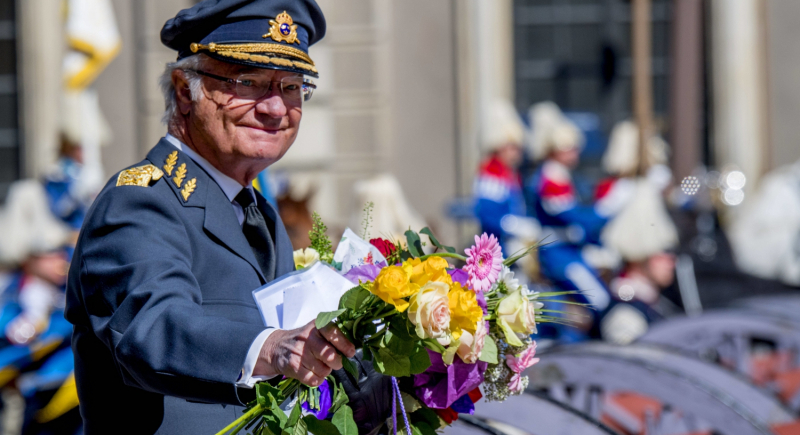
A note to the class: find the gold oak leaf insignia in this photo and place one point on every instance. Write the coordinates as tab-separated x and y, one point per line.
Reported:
170	163
188	188
139	176
180	174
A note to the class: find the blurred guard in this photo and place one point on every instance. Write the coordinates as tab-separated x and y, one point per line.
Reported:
498	189
552	199
166	332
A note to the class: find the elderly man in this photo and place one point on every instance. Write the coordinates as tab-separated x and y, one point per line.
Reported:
165	326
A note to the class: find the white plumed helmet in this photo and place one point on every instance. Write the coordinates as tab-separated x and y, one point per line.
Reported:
503	126
622	155
551	130
643	228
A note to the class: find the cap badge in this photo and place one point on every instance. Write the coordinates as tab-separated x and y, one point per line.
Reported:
283	29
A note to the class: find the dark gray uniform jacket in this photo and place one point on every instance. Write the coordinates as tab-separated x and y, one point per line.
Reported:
159	294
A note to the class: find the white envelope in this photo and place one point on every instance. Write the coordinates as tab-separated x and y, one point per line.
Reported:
297	298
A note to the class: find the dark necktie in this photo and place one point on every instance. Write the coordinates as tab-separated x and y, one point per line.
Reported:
257	232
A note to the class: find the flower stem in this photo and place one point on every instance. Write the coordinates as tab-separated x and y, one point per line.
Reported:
444	254
240	422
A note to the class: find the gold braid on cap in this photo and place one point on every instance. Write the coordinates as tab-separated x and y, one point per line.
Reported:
252	48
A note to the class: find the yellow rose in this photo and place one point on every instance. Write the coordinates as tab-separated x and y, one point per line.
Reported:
516	315
464	310
429	310
393	284
432	269
305	257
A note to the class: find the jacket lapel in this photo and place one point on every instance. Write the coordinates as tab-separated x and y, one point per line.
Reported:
220	219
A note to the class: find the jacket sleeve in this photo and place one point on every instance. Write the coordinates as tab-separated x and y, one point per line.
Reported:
144	304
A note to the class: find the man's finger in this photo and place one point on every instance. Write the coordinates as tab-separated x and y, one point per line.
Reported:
324	351
336	338
308	377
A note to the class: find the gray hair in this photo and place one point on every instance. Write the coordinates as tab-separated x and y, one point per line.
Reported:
188	64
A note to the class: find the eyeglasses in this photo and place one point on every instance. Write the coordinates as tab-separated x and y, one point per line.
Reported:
254	87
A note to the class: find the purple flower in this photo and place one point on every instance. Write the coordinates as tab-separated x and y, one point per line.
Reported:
325	402
459	276
440	386
366	272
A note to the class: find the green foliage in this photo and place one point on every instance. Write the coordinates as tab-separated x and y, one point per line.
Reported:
343	420
489	352
414	244
320	427
319	238
324	318
427	231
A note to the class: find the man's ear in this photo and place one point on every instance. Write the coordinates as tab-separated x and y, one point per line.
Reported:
183	95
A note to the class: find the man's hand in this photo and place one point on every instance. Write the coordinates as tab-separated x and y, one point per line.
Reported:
307	354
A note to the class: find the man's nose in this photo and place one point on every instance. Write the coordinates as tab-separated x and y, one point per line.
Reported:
272	105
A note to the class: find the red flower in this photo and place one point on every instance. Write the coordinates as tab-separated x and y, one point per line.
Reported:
475	395
447	414
386	247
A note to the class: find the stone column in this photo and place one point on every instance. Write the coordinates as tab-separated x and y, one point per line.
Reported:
39	53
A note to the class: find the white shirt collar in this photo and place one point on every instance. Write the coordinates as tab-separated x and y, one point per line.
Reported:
229	186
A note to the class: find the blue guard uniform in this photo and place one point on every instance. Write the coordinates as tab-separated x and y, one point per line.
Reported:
498	193
567	226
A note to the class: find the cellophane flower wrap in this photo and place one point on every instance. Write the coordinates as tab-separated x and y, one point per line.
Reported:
446	325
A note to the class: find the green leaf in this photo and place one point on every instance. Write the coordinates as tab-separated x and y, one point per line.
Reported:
489	352
295	414
350	367
433	345
397	344
320	427
324	318
353	298
427	231
450	353
420	360
414	244
300	428
263	393
389	364
423	428
343	420
339	397
426	415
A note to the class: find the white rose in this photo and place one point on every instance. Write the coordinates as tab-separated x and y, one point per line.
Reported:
518	313
429	310
305	257
470	347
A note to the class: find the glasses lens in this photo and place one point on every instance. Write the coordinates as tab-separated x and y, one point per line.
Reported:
308	89
292	88
252	87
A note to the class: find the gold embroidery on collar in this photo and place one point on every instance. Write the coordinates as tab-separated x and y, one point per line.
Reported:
180	174
170	163
188	188
282	28
139	176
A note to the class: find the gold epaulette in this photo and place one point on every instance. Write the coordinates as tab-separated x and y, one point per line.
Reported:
139	176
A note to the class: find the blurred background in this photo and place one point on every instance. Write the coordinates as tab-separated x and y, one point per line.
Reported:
649	144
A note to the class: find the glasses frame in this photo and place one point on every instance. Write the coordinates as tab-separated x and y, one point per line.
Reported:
307	90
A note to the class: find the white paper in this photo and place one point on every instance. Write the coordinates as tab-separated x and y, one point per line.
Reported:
353	251
297	298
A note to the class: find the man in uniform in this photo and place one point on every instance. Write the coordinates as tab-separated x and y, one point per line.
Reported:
166	332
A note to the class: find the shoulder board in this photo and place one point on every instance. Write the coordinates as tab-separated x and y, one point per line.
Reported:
139	176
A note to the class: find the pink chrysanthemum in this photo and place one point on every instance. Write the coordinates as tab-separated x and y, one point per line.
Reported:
484	263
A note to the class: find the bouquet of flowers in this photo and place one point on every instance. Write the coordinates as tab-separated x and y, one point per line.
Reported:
440	331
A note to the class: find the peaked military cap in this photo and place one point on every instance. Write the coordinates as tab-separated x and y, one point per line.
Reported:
272	34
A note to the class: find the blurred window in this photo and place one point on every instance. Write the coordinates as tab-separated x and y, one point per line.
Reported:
9	135
577	53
